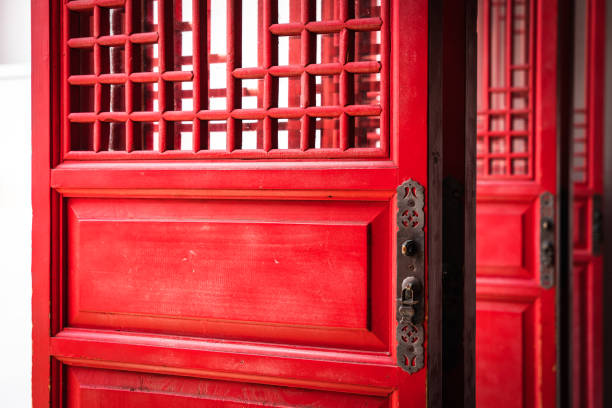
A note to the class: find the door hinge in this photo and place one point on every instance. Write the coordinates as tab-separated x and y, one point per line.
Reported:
410	276
547	240
597	232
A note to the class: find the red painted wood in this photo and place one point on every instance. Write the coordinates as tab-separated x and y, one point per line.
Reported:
316	368
163	278
513	218
313	281
515	335
500	319
505	98
42	160
588	173
353	87
106	388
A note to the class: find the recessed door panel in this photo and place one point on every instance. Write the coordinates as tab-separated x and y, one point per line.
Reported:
504	333
581	229
97	388
300	272
506	247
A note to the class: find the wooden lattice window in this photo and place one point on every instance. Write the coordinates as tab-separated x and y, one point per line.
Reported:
580	128
150	79
505	142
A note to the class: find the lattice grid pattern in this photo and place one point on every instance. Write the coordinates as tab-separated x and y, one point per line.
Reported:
505	142
580	129
241	78
580	133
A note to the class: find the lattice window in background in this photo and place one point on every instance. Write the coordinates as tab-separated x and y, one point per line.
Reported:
505	112
580	129
581	147
248	79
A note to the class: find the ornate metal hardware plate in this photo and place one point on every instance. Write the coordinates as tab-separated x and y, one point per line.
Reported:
597	232
410	275
547	240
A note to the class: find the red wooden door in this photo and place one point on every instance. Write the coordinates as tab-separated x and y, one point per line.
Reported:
587	341
516	165
215	202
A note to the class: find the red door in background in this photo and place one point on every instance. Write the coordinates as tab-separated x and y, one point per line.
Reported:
516	166
215	204
588	187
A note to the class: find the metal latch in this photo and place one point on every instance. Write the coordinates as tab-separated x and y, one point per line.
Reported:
410	276
597	230
547	240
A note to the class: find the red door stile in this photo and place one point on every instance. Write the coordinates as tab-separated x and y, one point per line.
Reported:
516	164
229	243
42	161
588	189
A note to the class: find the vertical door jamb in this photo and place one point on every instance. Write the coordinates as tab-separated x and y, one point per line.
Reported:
459	202
452	201
565	74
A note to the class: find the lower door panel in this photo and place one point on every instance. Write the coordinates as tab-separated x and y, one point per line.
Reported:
99	388
515	316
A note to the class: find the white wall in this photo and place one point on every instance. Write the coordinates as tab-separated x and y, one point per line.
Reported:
14	31
15	205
